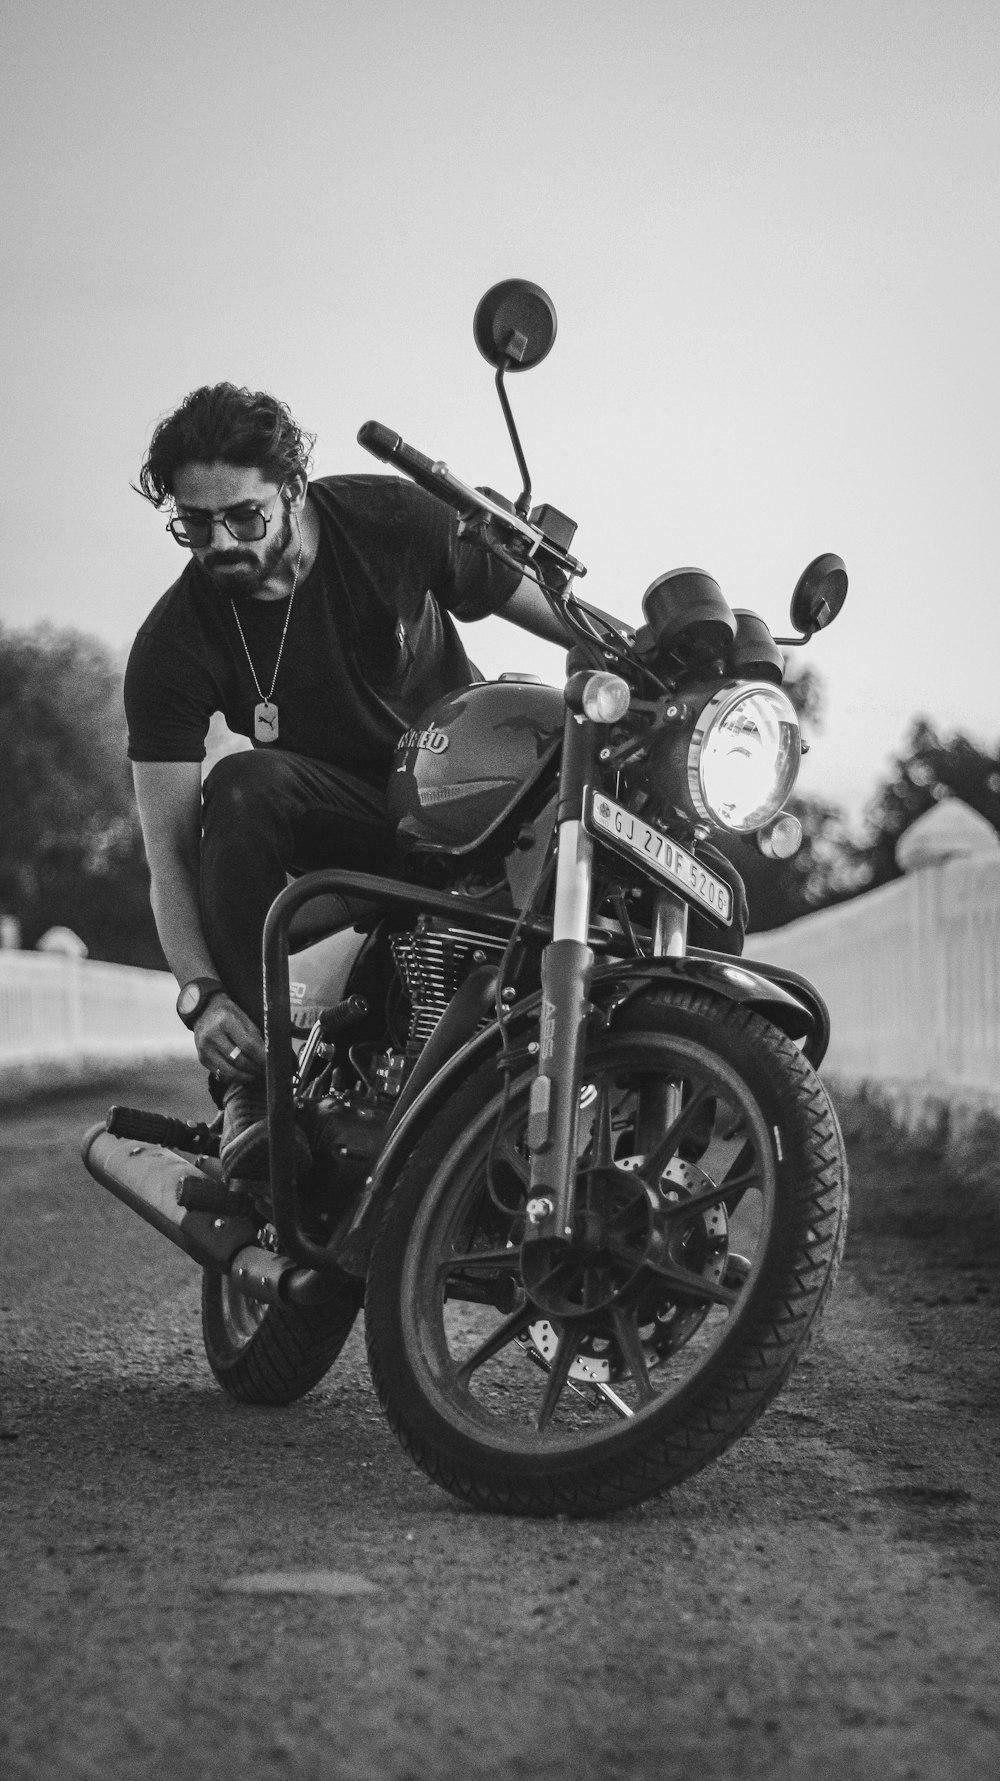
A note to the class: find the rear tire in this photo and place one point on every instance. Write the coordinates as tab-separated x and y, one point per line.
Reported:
272	1354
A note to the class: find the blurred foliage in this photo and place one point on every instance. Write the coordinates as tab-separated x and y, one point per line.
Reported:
930	767
71	850
805	689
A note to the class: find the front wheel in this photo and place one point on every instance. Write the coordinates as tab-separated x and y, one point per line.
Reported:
712	1193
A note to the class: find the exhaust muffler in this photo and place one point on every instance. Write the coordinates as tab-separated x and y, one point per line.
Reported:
149	1179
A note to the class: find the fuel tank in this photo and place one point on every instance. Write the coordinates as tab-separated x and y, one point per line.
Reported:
458	775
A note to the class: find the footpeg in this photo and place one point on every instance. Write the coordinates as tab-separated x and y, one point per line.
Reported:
213	1196
158	1128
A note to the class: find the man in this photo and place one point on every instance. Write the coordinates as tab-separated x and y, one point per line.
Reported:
318	618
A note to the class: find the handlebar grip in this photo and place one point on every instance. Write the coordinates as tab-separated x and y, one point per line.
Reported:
380	441
383	443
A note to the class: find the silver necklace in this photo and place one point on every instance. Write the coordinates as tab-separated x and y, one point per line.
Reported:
265	714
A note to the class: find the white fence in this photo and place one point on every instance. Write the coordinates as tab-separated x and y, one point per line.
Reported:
911	973
62	1018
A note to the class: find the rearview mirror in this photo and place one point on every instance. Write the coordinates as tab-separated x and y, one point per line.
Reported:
819	594
515	325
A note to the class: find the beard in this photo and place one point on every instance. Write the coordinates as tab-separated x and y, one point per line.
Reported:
240	574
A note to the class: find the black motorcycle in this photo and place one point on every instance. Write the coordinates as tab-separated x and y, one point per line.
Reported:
583	1175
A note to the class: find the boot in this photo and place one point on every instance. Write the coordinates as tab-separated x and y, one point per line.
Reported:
243	1146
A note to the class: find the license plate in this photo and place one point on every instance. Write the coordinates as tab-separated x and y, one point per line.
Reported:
660	855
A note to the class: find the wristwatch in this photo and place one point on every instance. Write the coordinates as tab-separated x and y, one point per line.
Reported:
195	997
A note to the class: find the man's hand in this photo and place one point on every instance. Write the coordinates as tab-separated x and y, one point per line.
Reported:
228	1042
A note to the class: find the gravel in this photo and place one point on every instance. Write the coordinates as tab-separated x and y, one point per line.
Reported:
194	1590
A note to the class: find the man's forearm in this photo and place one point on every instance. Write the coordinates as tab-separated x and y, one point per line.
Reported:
530	611
177	912
528	608
226	1038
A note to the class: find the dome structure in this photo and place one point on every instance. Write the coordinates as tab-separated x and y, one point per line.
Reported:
951	831
62	941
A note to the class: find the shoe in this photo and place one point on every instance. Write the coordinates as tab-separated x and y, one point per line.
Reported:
244	1154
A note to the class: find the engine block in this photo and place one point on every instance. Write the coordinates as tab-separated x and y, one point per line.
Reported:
433	960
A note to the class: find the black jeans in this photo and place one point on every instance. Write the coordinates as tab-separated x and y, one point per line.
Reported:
265	815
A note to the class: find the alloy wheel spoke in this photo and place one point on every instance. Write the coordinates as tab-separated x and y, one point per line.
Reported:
631	1217
506	1151
506	1261
653	1166
569	1342
562	1271
692	1288
505	1333
597	1284
678	1211
722	1154
631	1347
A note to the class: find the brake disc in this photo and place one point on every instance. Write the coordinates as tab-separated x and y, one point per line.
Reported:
664	1325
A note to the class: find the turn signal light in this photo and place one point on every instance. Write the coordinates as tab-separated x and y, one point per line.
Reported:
606	698
781	838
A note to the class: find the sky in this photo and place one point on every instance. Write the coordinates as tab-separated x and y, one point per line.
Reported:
769	228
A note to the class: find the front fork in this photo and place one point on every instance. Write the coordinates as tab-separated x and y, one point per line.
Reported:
660	1102
567	967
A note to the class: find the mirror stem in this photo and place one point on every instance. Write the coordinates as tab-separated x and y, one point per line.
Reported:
523	502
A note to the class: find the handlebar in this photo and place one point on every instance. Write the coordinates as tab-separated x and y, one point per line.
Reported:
437	480
529	541
383	443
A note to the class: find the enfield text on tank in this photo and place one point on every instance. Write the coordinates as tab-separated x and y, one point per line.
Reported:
582	1175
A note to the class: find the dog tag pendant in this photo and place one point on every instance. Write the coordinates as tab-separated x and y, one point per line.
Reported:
265	721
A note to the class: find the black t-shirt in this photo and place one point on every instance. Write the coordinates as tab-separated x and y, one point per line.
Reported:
370	641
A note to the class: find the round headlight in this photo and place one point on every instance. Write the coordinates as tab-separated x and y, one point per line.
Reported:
744	756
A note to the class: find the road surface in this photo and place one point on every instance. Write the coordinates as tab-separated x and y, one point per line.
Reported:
822	1603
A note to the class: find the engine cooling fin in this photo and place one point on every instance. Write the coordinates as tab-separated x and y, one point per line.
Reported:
433	961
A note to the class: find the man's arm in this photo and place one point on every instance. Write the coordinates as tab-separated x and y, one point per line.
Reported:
168	794
528	608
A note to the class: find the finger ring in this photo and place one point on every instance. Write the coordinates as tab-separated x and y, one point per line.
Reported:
236	1052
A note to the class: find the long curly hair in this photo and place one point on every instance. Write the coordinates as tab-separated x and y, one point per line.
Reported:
222	423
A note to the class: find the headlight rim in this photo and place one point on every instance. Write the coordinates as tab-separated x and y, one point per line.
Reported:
712	714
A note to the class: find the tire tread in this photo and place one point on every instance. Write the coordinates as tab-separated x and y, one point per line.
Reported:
288	1354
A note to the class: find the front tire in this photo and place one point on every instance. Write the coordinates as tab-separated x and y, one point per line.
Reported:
621	1369
272	1354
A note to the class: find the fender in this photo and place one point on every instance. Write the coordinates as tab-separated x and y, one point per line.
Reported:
614	986
788	1001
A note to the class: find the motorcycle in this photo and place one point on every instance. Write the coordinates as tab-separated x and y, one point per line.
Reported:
581	1173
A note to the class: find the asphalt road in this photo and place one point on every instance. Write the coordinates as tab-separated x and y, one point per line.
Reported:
821	1603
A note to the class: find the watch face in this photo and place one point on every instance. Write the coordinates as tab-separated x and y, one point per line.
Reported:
189	998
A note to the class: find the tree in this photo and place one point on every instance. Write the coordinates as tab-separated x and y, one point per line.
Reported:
70	845
930	768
